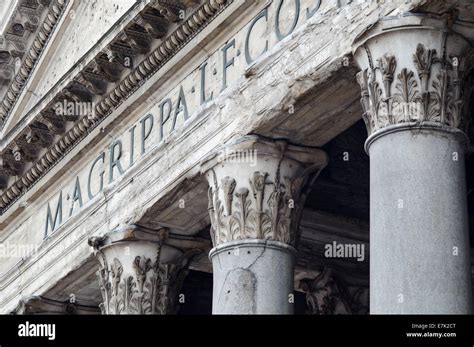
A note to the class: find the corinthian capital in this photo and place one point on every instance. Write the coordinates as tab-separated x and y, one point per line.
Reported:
412	73
138	273
257	188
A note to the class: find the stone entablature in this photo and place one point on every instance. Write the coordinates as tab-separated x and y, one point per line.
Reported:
21	45
42	305
172	111
104	78
108	67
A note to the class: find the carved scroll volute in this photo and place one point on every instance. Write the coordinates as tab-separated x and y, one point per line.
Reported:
411	74
255	189
138	273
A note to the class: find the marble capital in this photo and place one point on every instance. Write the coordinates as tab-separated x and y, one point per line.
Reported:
257	188
138	273
327	294
413	69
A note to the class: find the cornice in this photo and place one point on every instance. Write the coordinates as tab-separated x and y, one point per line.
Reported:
107	82
24	23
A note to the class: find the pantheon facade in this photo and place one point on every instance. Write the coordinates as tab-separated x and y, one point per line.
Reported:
236	157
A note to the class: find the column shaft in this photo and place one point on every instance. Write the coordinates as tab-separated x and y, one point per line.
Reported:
253	276
413	68
419	246
257	189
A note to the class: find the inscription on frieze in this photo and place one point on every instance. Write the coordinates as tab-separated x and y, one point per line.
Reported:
175	108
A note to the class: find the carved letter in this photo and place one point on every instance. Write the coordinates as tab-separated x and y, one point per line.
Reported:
163	118
58	216
115	162
180	106
226	63
203	84
76	196
279	35
132	144
311	13
145	132
101	175
262	14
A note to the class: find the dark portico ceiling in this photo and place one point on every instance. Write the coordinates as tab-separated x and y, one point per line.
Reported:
343	186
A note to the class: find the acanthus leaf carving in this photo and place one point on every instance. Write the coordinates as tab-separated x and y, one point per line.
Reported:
376	102
253	216
363	81
431	93
329	295
228	185
387	65
424	59
407	94
263	202
325	295
151	287
238	222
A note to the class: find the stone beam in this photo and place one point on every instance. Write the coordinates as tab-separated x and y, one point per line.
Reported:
39	305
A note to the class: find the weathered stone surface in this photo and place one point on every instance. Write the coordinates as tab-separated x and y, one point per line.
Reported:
253	277
302	89
84	23
410	223
41	305
138	273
